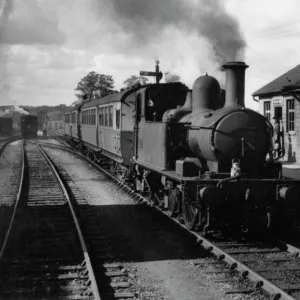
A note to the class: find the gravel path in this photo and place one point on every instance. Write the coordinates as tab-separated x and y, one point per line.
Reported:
10	168
163	262
9	172
160	257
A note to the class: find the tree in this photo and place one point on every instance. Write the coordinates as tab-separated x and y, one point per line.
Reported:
94	85
134	80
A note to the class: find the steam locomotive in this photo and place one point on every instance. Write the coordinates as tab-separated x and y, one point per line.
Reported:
29	126
199	154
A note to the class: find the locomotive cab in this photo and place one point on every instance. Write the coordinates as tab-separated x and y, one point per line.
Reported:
155	140
153	101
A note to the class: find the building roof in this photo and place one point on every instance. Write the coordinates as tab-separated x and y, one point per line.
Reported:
286	81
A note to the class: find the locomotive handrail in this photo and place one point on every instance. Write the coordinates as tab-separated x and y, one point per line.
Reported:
227	179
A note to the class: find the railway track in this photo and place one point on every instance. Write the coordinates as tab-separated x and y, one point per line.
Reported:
4	142
10	166
270	265
44	253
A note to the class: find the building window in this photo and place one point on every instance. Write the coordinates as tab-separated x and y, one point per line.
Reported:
290	115
267	110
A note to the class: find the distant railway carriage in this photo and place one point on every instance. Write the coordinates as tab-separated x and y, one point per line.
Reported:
193	152
6	126
29	126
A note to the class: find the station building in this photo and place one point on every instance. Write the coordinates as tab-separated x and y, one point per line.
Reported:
280	98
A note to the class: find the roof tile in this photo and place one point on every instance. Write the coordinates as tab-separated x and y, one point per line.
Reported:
290	78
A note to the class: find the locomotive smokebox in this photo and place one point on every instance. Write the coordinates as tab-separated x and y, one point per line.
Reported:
235	83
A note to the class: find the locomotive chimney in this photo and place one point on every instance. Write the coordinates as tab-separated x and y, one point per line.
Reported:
235	83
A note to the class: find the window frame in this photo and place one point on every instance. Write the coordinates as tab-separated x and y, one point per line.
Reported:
118	119
267	110
67	118
110	116
73	117
290	112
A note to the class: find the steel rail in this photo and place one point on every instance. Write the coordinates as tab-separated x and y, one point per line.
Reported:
246	272
5	143
79	232
16	203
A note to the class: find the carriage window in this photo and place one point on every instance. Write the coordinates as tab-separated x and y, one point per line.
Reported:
101	116
118	114
94	116
110	116
67	118
290	115
83	118
73	116
106	116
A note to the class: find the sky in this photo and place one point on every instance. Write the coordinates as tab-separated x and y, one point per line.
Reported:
47	46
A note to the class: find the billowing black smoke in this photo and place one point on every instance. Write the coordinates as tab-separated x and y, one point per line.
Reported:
145	19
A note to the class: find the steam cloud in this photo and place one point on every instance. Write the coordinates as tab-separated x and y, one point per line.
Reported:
5	112
13	109
144	20
20	110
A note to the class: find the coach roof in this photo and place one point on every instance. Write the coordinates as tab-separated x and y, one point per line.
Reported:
112	98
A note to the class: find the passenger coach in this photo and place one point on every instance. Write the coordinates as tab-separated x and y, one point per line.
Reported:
104	125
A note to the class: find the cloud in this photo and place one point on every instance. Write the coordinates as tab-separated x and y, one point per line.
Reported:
122	37
272	38
24	22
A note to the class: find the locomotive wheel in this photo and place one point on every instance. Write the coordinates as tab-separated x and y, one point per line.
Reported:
173	202
190	215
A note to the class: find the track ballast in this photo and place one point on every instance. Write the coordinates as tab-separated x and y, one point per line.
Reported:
248	266
44	253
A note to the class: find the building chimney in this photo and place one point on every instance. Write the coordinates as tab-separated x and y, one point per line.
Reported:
235	83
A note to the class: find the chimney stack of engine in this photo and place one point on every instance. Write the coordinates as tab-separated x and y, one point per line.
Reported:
235	83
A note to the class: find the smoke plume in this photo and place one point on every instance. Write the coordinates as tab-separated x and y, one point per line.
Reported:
144	20
20	110
4	112
8	112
